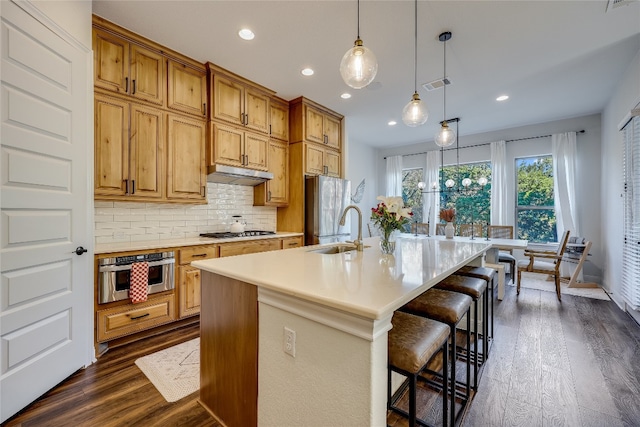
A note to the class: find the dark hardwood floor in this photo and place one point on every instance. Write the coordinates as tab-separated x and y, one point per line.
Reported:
575	363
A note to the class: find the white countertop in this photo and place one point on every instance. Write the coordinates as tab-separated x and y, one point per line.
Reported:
105	248
366	283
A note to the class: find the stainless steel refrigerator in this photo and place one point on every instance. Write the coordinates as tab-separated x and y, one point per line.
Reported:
325	200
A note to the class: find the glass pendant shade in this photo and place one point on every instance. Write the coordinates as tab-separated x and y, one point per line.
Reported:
415	113
446	136
359	66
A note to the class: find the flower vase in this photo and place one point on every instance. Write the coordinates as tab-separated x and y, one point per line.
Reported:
449	230
387	242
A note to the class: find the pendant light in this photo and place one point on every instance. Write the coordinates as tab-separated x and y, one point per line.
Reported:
446	136
415	113
359	66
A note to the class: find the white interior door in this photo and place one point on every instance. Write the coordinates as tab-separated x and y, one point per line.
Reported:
46	289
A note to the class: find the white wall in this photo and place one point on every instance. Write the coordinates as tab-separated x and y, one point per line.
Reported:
587	173
359	160
72	16
625	97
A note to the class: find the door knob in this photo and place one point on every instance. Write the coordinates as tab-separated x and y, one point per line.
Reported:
80	250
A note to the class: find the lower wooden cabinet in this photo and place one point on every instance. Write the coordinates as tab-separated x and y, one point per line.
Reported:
188	278
131	318
292	242
242	248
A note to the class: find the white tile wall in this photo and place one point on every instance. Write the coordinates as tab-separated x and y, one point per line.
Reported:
135	221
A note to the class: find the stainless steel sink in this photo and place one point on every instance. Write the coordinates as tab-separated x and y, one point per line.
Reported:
334	249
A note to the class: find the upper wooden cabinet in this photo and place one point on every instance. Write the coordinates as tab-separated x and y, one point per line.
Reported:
186	166
234	146
238	102
279	119
129	148
275	192
313	123
127	68
187	89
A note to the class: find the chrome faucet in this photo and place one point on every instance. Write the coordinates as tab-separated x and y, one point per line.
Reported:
358	241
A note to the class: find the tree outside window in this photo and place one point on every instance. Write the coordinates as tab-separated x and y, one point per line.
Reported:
474	205
535	211
411	195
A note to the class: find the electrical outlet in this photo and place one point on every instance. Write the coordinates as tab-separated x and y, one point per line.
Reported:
290	341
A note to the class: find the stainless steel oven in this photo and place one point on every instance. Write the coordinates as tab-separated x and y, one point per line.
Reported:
114	275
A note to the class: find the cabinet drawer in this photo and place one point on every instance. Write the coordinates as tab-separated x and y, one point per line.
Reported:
128	319
241	248
291	242
196	253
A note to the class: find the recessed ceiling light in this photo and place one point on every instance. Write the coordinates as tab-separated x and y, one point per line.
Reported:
246	34
502	98
345	95
392	123
307	72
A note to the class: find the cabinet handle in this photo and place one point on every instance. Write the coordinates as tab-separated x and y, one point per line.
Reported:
204	109
199	255
140	317
203	191
269	196
126	85
133	87
292	243
133	186
325	138
246	119
269	129
126	186
242	118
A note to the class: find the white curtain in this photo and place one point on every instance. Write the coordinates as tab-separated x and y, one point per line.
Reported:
431	201
563	149
394	176
499	183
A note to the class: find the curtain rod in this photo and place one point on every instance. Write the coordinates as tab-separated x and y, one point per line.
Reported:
483	144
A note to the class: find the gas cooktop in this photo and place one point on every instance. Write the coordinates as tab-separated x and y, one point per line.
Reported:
228	234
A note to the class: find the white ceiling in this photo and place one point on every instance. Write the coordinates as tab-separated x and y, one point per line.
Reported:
555	59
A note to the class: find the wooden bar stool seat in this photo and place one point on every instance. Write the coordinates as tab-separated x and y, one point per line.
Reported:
412	343
450	308
476	289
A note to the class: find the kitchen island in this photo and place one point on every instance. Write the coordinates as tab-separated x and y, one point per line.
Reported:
299	337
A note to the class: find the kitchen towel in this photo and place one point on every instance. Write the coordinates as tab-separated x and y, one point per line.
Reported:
138	282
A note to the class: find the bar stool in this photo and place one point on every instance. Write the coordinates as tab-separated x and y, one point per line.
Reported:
412	343
489	276
476	289
447	307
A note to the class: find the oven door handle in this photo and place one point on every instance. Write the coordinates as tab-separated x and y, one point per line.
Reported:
107	268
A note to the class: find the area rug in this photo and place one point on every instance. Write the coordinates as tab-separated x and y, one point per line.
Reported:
174	371
540	282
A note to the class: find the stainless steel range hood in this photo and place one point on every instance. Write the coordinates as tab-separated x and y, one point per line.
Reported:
239	176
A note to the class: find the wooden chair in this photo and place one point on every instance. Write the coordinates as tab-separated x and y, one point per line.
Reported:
546	262
504	232
440	229
466	230
420	228
373	230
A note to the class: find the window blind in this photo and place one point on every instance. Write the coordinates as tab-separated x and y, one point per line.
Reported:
631	248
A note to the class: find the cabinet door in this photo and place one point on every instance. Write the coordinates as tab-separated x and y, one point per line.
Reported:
332	163
291	242
332	130
228	143
256	111
147	75
279	121
110	62
111	133
255	151
314	125
228	100
187	89
189	291
186	169
314	160
146	152
241	248
278	187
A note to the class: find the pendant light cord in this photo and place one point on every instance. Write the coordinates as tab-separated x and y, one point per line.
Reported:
444	79
358	18
415	49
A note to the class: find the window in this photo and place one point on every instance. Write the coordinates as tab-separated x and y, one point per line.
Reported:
535	213
474	205
411	195
631	248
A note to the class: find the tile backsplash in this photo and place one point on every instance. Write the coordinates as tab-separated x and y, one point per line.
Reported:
138	221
